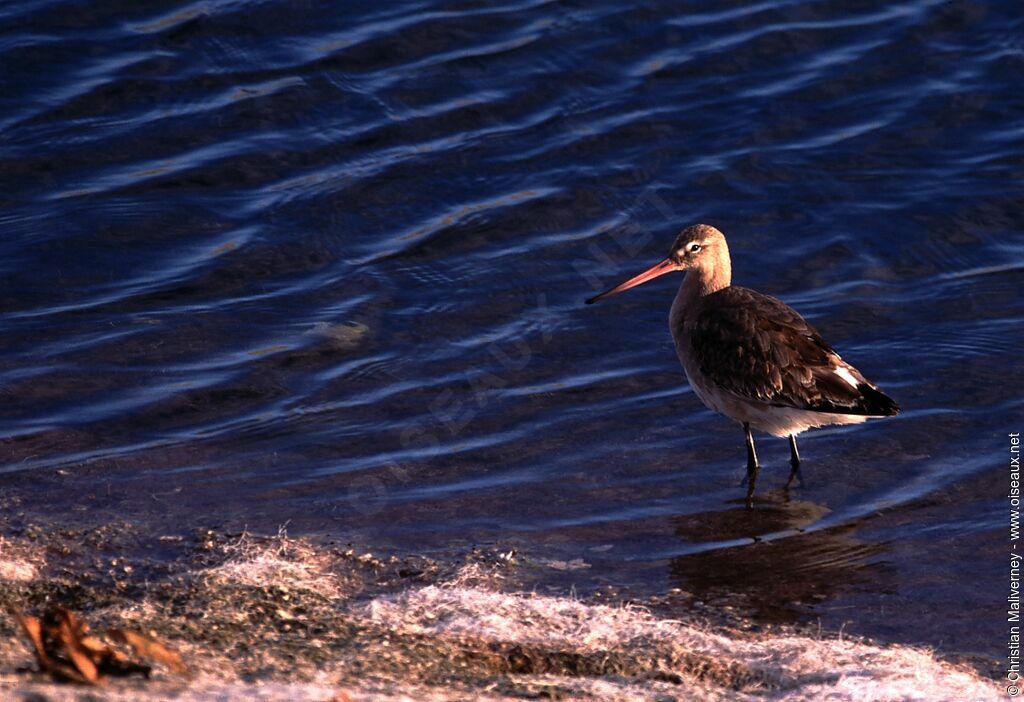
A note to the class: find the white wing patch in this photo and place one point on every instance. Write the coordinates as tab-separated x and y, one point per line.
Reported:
847	376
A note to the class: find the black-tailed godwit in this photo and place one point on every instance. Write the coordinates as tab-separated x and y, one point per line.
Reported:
751	357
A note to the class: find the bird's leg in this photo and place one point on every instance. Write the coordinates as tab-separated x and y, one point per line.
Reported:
794	461
752	466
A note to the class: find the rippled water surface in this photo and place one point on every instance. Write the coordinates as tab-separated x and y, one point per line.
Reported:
323	264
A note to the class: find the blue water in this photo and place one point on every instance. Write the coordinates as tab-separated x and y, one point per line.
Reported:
323	264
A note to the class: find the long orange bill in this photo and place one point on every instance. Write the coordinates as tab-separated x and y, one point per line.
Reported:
666	266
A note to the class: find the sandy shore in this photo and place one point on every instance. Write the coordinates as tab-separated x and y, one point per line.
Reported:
274	618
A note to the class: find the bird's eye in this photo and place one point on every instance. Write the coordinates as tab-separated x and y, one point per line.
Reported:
693	248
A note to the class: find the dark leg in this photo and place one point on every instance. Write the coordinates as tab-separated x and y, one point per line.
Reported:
794	461
752	466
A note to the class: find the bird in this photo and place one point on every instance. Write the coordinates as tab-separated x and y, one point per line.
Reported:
752	357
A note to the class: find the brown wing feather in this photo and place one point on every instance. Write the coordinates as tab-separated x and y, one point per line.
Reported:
759	348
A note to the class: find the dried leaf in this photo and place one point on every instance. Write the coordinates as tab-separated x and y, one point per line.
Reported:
65	651
69	631
95	646
79	628
148	647
48	663
34	631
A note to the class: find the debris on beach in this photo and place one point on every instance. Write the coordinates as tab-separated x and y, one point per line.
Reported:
67	652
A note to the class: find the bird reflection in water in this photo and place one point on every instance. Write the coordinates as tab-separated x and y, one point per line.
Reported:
771	560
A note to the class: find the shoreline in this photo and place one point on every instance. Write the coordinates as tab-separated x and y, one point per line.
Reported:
276	618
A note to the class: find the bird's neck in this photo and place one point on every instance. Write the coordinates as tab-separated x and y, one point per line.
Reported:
698	284
708	278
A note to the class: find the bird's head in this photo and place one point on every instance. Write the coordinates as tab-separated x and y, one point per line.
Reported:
697	246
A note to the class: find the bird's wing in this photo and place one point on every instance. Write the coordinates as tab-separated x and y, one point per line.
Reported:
759	348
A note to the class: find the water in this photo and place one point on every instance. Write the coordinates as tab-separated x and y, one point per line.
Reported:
323	264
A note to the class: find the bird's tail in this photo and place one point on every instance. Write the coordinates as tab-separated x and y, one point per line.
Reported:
876	403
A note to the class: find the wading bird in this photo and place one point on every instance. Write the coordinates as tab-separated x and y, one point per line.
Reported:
751	357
